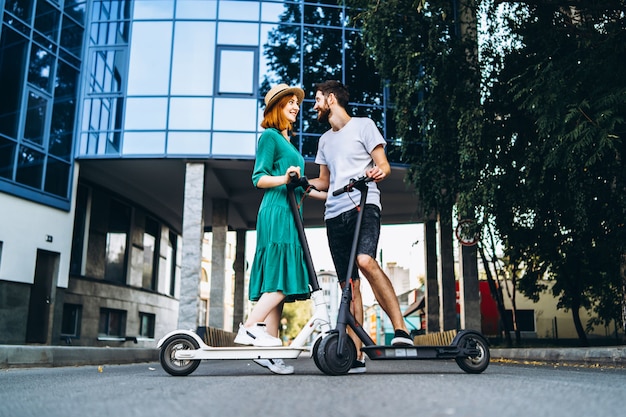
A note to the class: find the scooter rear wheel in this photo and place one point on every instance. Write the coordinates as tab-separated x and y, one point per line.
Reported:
316	348
178	367
330	361
474	364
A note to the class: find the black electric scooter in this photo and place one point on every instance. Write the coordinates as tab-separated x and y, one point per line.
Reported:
335	353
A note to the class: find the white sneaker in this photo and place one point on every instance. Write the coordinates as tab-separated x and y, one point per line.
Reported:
277	366
256	336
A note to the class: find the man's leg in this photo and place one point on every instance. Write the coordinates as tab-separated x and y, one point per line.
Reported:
383	290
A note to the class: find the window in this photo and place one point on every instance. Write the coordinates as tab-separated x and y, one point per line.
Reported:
150	254
80	223
170	269
39	91
116	242
237	70
146	325
112	323
70	323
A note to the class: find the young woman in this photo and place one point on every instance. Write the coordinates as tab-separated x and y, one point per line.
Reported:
278	273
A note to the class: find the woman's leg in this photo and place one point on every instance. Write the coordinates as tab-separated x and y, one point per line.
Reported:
267	310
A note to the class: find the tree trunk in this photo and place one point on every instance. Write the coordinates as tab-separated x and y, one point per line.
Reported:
497	296
582	336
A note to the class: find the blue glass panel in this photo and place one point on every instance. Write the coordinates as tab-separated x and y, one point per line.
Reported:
238	34
145	113
235	114
189	143
194	9
190	114
149	66
239	10
237	72
234	144
40	68
20	8
57	177
63	111
29	167
13	49
35	122
144	143
76	9
105	73
47	20
153	9
72	36
193	66
270	12
7	157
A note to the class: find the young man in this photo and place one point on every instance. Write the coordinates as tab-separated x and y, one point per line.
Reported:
351	148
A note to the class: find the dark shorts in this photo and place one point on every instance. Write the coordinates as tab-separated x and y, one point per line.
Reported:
340	232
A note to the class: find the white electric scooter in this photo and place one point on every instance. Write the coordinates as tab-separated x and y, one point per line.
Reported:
182	350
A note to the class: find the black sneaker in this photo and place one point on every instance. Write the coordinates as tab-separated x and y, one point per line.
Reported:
401	338
358	367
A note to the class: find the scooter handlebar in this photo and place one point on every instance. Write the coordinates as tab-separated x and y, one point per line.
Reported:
354	183
295	182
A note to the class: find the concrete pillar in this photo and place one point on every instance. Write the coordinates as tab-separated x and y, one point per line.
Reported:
432	283
219	228
448	281
469	290
191	267
240	278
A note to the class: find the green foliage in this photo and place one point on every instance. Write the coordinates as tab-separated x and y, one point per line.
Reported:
295	316
532	141
557	109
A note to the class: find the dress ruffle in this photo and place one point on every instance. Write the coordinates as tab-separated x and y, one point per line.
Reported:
279	263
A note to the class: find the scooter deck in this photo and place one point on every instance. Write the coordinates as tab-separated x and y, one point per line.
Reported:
240	352
415	352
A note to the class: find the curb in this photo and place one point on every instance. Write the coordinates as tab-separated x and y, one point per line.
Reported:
597	356
52	356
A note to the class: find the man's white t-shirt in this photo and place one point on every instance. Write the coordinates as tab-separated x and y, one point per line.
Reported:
347	154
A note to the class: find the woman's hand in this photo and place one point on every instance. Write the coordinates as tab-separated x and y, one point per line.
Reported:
289	171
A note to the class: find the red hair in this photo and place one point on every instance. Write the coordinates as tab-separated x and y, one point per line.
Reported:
274	116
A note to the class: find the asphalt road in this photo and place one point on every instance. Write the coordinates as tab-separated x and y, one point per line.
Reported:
242	388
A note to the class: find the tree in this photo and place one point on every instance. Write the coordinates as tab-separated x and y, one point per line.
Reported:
555	120
541	156
426	51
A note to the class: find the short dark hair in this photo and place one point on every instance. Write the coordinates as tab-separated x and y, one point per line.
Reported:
337	88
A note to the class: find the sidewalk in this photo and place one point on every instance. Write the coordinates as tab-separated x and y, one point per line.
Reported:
17	356
592	356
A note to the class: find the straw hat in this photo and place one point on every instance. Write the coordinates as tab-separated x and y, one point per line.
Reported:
279	91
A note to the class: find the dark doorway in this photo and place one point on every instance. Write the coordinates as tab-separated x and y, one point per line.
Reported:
41	294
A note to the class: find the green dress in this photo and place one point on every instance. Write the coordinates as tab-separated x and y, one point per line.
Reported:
278	261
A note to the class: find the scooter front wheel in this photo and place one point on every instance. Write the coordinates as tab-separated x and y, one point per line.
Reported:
332	362
178	367
479	360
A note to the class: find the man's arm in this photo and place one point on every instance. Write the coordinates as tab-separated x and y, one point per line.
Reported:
381	167
321	183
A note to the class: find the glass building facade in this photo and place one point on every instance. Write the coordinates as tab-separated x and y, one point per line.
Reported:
162	79
185	78
41	46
